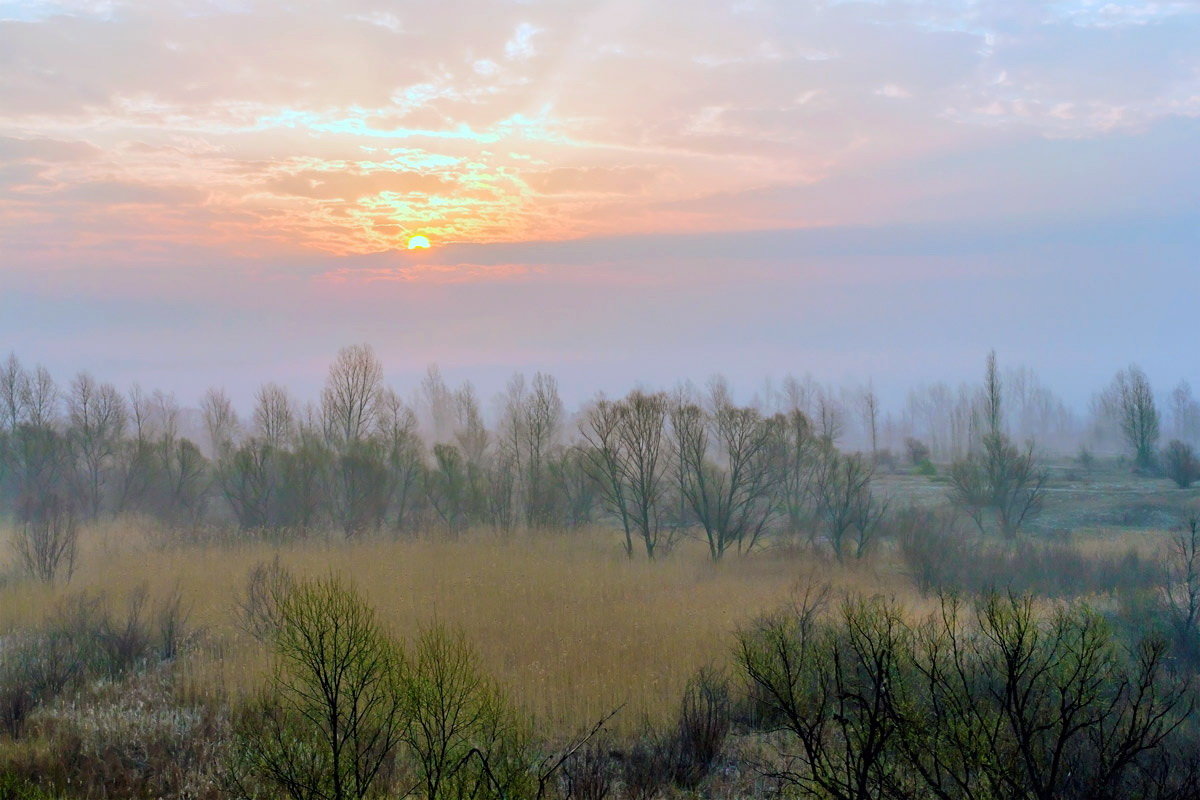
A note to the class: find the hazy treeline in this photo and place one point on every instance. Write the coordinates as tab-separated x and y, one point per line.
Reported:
799	458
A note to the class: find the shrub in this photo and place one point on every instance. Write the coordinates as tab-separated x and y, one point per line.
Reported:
1180	464
258	610
330	723
589	773
1003	701
704	719
461	734
47	539
939	557
916	451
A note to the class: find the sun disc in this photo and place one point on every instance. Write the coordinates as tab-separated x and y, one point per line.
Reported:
418	242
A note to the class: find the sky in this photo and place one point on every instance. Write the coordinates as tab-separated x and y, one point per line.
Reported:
223	193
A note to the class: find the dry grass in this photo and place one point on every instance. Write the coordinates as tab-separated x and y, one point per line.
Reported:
567	624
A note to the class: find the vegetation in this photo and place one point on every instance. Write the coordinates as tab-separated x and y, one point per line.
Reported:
668	594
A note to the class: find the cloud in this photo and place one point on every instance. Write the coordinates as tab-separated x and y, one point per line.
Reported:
551	120
428	273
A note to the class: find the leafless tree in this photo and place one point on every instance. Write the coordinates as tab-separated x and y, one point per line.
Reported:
1129	400
47	538
599	428
999	480
348	403
1185	414
830	418
993	408
842	498
1183	585
98	419
220	421
439	403
726	474
869	403
532	417
274	415
627	454
471	433
405	457
13	379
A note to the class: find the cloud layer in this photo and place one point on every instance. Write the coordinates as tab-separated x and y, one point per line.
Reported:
253	153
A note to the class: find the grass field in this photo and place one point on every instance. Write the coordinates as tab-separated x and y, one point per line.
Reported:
568	625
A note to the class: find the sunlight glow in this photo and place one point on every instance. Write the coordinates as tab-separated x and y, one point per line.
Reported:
418	242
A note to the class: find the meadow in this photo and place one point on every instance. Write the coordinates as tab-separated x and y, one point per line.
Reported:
572	627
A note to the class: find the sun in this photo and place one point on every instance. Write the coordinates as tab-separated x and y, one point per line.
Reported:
418	242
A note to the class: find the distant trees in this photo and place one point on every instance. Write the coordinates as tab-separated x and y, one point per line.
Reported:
365	460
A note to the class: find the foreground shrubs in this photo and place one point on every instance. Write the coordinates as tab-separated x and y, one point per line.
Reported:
996	700
85	638
350	711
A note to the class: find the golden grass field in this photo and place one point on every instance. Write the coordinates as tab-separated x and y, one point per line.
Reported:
568	625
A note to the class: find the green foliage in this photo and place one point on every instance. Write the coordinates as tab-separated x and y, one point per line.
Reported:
348	710
461	734
925	467
13	787
329	726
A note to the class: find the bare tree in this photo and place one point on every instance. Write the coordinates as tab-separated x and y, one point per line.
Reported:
869	403
532	418
404	459
1000	480
98	419
274	415
627	454
993	409
220	421
348	403
47	539
1183	586
1130	402
842	497
1185	414
725	473
606	461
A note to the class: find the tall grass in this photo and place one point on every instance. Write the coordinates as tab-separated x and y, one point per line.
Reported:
564	621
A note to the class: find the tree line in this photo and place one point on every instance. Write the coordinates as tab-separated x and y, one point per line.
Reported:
359	461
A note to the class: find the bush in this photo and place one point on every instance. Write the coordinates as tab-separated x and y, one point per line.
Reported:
998	701
130	739
704	719
333	717
47	539
1180	464
81	640
588	774
939	557
916	451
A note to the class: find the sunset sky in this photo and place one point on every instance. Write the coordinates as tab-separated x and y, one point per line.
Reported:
200	193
